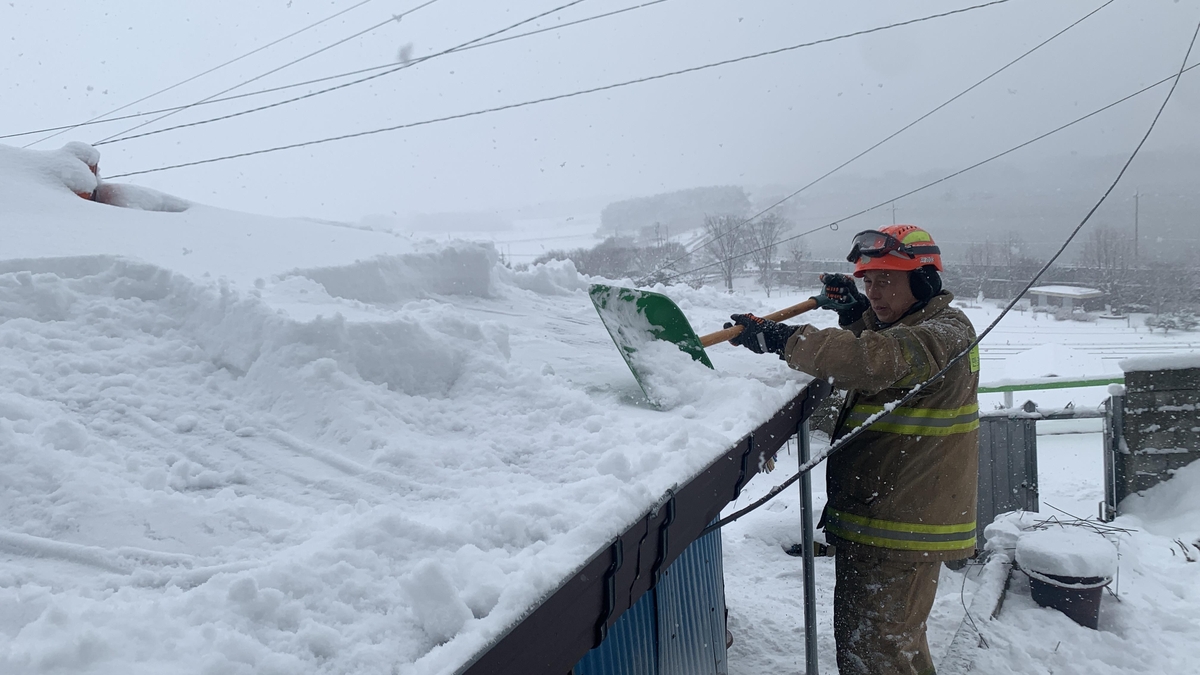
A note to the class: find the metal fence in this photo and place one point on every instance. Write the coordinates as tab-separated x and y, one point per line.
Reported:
1008	473
1008	466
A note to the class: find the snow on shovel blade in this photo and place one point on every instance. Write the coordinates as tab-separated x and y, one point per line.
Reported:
634	318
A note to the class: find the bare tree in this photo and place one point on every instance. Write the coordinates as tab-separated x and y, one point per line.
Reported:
979	261
1011	251
762	237
797	253
1108	252
979	254
724	241
1107	249
663	261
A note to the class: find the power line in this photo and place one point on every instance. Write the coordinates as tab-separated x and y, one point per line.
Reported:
668	264
402	66
194	77
834	225
559	97
396	18
854	433
327	78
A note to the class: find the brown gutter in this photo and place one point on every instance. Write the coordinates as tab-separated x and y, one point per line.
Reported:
553	637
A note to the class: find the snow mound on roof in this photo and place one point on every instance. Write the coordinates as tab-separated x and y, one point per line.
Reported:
557	277
420	351
140	198
453	269
55	173
238	444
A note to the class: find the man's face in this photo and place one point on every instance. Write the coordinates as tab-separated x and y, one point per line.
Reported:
889	293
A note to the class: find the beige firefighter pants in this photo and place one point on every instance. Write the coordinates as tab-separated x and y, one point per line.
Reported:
879	609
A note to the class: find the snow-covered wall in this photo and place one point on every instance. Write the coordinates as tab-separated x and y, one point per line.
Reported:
1160	425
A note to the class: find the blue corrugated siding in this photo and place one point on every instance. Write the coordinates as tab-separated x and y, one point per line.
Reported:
676	629
631	647
691	612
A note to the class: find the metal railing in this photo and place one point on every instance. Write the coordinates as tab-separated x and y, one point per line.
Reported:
1007	387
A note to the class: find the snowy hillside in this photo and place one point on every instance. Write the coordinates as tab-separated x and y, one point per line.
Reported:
238	444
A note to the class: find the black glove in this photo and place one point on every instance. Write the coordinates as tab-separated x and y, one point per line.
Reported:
841	295
760	335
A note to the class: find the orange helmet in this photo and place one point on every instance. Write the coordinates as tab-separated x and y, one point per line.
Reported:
894	247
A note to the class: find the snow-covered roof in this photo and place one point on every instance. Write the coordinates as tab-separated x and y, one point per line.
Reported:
236	443
1061	291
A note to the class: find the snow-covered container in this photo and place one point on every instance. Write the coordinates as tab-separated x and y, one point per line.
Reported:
1156	425
1068	568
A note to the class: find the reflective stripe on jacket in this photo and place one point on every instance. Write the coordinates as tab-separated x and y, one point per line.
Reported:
915	421
903	536
908	483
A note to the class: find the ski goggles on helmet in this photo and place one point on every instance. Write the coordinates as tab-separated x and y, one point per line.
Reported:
876	244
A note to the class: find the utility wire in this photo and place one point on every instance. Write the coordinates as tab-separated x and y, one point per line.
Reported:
559	97
327	78
834	224
400	67
854	433
724	233
121	136
96	120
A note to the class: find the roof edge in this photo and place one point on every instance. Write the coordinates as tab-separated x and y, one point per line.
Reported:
553	636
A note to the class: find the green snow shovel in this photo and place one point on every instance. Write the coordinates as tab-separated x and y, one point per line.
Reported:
634	317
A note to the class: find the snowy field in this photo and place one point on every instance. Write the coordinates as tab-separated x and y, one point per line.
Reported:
239	444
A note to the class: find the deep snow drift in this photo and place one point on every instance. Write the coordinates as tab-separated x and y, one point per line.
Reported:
237	444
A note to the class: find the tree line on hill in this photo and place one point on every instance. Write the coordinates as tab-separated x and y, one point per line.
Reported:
707	236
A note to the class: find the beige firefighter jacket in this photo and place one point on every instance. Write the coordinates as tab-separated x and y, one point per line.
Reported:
908	484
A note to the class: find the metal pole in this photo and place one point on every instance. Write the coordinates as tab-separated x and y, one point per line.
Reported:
810	573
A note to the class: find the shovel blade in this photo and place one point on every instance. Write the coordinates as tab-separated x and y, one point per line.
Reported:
634	318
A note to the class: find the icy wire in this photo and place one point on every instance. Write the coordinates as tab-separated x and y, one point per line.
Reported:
556	97
100	118
271	90
344	85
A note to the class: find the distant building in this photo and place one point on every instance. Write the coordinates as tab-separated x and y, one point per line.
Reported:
1067	297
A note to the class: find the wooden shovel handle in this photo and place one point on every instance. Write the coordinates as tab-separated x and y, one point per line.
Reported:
782	315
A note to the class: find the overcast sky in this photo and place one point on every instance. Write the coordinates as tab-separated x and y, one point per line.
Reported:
782	119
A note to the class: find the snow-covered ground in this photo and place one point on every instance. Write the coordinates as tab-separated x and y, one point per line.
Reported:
238	444
1153	628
